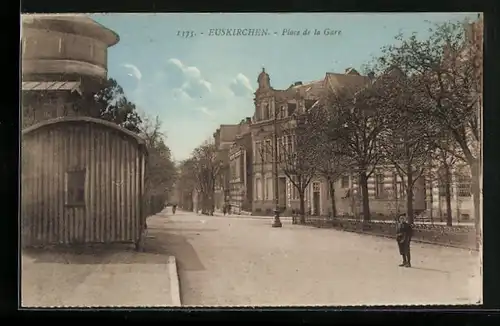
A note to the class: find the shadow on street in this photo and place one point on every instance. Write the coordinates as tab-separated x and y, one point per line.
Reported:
162	241
96	254
430	269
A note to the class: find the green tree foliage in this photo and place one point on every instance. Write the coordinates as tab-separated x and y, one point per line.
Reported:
114	106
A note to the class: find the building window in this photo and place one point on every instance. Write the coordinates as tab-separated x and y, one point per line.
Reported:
258	188
268	151
344	181
265	111
379	185
75	187
464	186
291	107
258	152
269	188
282	112
397	187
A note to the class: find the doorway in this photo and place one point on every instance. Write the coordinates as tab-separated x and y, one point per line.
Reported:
282	192
316	199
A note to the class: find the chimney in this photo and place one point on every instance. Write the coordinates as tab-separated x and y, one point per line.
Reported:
351	71
297	83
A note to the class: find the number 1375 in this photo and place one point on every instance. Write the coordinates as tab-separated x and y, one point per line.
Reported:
185	34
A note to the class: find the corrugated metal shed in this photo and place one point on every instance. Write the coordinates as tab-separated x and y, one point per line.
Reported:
112	162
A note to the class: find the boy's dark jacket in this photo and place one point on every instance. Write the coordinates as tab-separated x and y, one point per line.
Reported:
404	232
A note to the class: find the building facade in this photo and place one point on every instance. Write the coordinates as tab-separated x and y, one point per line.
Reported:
224	137
240	167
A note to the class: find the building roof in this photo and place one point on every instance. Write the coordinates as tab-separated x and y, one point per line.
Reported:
335	81
101	122
332	81
71	86
80	24
313	89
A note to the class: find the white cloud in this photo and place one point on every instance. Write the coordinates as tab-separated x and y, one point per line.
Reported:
240	86
188	79
134	71
206	111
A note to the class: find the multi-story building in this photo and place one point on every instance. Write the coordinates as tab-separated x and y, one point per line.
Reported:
224	137
240	167
64	64
384	186
280	105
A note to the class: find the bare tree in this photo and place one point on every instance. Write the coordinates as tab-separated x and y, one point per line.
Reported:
296	155
444	165
206	168
187	183
446	68
330	164
161	171
409	138
356	123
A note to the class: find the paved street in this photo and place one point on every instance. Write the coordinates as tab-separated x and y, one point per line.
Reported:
242	260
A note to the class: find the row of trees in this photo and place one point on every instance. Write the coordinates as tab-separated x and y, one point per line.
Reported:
420	113
199	176
161	171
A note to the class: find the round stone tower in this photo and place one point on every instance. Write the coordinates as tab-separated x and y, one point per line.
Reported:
64	64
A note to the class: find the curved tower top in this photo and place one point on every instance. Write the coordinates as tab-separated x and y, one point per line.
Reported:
64	47
78	24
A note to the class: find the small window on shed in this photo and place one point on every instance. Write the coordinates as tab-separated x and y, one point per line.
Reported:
75	187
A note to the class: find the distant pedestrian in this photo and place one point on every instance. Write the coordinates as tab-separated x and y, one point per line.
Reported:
224	210
404	233
174	208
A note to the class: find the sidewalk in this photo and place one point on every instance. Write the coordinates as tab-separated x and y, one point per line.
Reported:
99	276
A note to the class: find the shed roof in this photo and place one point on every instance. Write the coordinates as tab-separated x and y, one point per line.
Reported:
101	122
51	86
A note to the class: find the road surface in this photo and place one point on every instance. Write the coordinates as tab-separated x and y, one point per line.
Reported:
242	260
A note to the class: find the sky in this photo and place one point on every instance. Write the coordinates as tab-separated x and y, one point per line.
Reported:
170	66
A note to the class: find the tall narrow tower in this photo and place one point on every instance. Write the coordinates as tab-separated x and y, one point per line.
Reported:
64	64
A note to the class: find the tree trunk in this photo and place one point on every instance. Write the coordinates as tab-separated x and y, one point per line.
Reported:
449	216
476	195
409	194
331	184
363	183
302	206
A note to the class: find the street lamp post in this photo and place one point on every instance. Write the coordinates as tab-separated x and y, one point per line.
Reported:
277	221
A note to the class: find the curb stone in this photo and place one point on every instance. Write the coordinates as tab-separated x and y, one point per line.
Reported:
174	281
